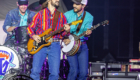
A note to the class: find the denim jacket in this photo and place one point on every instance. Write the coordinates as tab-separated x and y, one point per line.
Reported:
13	19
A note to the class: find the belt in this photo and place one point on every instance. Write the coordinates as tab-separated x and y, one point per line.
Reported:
54	40
84	42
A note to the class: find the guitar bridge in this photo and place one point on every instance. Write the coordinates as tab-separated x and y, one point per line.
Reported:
50	40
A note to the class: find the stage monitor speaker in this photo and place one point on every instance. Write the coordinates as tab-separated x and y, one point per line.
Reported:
119	79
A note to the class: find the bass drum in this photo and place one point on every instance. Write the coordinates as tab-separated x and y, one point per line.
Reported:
9	58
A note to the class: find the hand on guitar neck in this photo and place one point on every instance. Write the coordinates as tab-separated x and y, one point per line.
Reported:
88	32
67	27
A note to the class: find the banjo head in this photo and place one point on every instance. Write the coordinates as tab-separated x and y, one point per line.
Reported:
67	48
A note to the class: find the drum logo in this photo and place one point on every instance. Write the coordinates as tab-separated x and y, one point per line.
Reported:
6	62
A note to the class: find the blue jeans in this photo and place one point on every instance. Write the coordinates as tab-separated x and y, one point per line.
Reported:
79	64
53	52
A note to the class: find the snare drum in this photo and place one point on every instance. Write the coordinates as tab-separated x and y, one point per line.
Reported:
8	59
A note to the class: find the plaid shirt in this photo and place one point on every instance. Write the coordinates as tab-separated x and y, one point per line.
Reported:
43	20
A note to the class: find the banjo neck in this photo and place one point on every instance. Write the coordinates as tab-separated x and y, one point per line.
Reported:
92	28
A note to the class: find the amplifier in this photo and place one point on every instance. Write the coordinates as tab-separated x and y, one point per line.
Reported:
119	79
134	67
97	74
96	68
112	66
112	74
121	76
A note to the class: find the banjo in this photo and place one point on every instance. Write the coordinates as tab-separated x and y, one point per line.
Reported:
75	42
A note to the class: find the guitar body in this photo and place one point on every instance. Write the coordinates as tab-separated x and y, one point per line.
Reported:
72	48
33	47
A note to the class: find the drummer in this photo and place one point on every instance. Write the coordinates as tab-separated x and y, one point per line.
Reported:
21	16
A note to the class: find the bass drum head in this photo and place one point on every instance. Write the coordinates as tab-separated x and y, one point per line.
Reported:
67	48
8	59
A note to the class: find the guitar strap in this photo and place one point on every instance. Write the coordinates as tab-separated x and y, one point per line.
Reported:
55	19
79	26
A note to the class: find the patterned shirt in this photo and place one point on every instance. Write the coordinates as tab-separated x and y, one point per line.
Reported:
43	20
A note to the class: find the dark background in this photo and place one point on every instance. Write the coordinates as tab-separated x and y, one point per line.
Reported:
119	40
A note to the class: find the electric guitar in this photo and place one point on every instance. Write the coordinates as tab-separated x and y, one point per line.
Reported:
46	39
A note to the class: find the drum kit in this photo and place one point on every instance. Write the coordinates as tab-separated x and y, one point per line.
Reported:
16	62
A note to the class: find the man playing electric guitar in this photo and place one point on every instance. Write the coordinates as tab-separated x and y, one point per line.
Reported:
42	21
79	62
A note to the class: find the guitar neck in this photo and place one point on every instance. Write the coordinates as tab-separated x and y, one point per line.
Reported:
84	33
55	32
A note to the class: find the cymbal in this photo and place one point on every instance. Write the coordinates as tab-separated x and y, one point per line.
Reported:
35	6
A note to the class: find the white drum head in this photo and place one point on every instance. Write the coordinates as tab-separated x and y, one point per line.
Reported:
67	48
8	60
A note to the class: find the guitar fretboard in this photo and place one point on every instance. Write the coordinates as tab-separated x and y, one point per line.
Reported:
55	32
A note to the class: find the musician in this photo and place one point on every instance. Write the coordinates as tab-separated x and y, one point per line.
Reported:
20	16
79	62
44	20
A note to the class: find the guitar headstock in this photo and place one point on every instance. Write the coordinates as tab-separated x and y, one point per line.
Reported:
102	23
105	22
76	22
